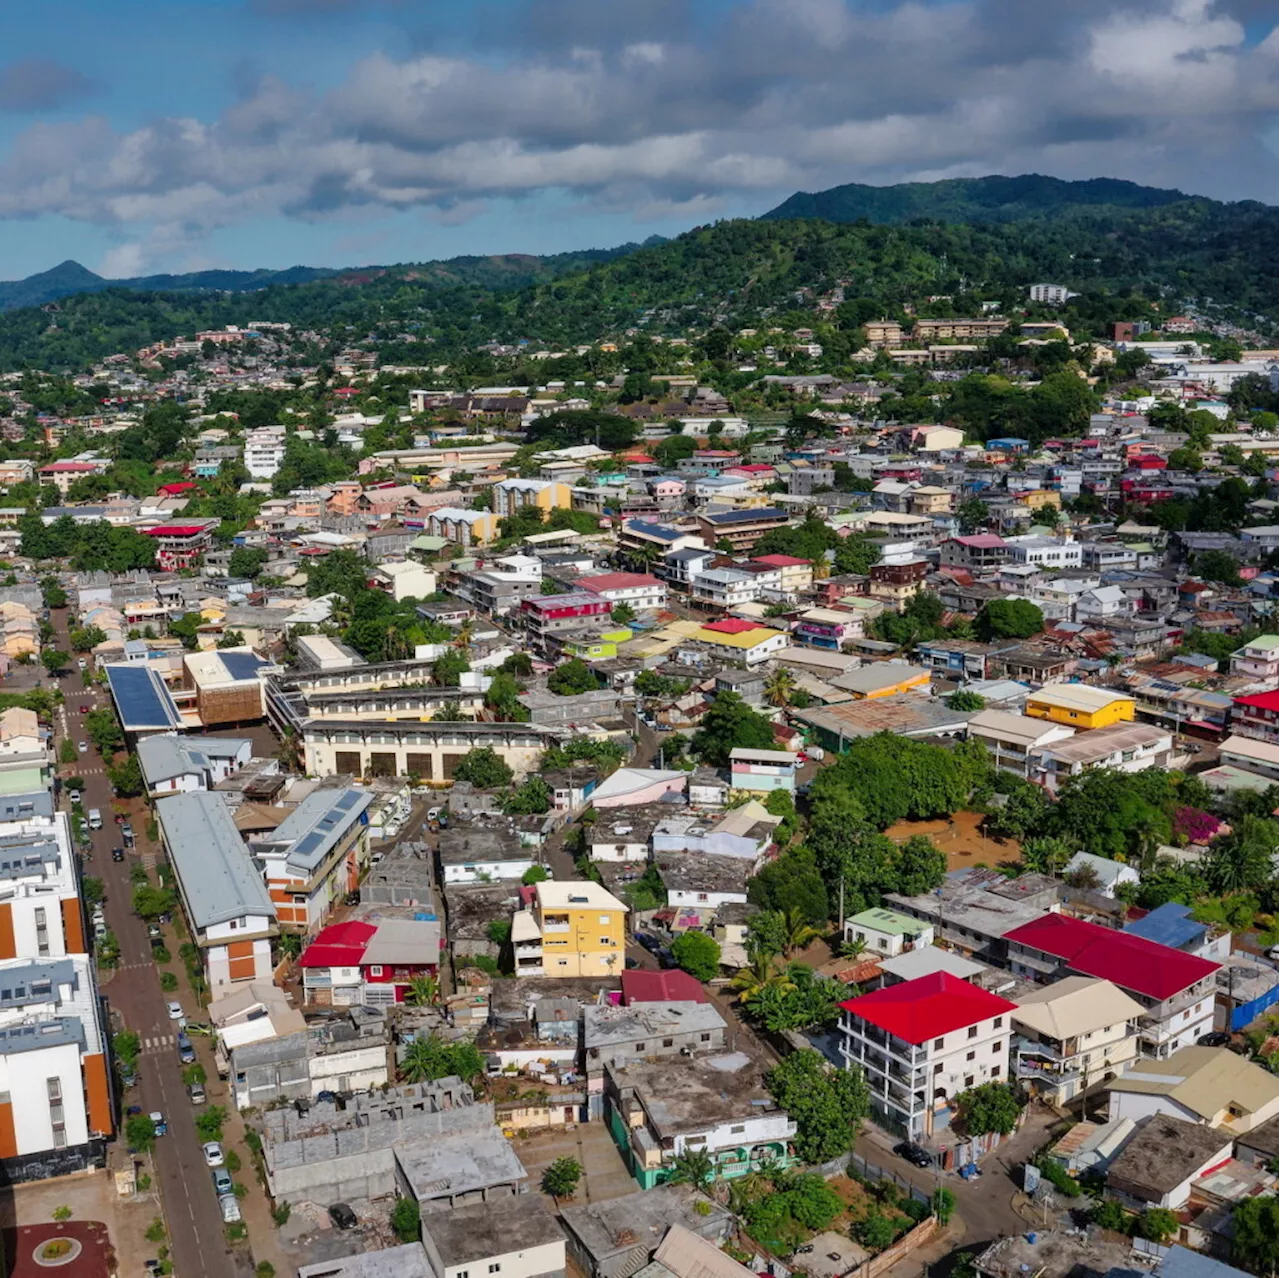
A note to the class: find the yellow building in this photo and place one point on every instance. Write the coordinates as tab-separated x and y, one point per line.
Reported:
1080	706
734	639
1039	497
512	495
574	928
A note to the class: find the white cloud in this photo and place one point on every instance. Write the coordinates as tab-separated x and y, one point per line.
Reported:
781	95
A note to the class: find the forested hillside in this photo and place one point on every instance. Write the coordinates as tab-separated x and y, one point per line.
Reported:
734	273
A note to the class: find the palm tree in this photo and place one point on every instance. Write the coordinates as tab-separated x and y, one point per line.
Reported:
779	687
422	991
799	931
853	949
694	1167
420	1060
763	974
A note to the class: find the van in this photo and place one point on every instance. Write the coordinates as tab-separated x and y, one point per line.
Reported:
95	819
230	1209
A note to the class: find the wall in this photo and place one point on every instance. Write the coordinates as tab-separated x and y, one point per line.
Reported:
24	1075
545	1259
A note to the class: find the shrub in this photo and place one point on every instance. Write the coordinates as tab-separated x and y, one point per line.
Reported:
560	1180
155	1231
209	1122
281	1212
168	982
62	1213
232	1161
875	1232
406	1220
265	1269
161	955
1057	1176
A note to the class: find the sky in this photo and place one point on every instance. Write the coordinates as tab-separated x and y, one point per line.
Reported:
138	137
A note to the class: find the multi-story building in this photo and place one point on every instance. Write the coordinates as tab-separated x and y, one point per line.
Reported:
1125	747
1080	706
929	330
637	589
1259	659
978	552
315	856
741	529
1072	1034
41	915
920	1043
513	495
229	911
762	770
548	616
741	642
1014	741
1045	552
796	575
1050	294
176	765
571	929
723	588
886	933
179	546
55	1094
1176	990
264	452
827	627
1258	716
894	585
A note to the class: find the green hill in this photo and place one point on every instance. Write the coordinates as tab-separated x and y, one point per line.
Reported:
988	199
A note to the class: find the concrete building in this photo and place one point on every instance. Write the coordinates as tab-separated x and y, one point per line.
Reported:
231	916
1163	1160
762	770
920	1043
1259	660
1176	990
1080	706
264	452
314	856
514	1237
1106	874
476	852
1014	741
572	929
179	765
41	912
369	963
1125	747
886	933
638	590
1071	1035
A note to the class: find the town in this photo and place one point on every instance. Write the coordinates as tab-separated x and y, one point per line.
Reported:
675	812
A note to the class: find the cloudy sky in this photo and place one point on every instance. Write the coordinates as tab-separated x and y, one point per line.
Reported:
139	137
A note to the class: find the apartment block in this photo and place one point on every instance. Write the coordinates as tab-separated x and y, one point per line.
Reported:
571	929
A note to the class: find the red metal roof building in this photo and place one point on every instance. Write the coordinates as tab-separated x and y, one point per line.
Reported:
370	963
180	545
1257	715
661	987
1176	988
921	1043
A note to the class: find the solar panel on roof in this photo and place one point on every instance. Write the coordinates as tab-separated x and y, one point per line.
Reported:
241	665
309	843
348	801
141	698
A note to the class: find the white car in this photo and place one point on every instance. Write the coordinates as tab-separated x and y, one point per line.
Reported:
175	1011
83	747
73	796
213	1154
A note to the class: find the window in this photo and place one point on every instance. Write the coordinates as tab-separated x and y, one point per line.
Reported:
970	1055
375	969
604	920
937	1044
704	1038
462	1273
937	1069
639	1047
973	1031
668	1042
995	1071
998	1023
968	1080
496	1267
738	1130
995	1047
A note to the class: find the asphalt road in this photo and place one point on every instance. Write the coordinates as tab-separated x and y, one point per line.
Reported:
197	1245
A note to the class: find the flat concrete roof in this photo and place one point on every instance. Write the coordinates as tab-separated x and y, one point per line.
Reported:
477	1231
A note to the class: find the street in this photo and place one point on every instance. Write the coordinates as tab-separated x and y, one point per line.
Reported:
196	1241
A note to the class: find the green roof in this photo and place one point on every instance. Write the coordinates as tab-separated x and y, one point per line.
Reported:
1263	641
890	921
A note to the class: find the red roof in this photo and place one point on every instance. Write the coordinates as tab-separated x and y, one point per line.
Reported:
753	468
77	467
1260	700
780	561
173	489
982	541
339	945
1131	962
928	1007
617	581
179	530
661	987
731	626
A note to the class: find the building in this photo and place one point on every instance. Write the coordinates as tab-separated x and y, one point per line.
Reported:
230	914
1163	1160
762	770
883	679
1080	706
475	852
1258	659
547	616
1106	875
224	685
1126	747
369	963
1208	1085
510	1237
1014	741
179	765
827	627
264	452
740	529
658	1110
1250	755
571	929
920	1043
638	590
1176	990
978	552
1050	294
741	642
513	495
314	856
886	933
1258	716
462	527
1072	1035
56	1110
41	913
407	580
180	546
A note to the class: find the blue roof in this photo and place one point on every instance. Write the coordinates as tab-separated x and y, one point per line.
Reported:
1170	924
142	701
746	516
663	531
1182	1263
242	665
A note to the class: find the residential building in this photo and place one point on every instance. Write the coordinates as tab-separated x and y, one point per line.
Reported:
56	1110
722	588
407	580
478	852
1080	706
895	584
702	883
638	590
545	616
827	627
796	574
762	770
1258	716
1105	874
180	546
741	529
979	552
571	929
1045	552
1176	990
314	857
369	963
1014	741
462	527
229	912
1072	1035
1250	755
1126	747
513	495
178	765
1212	1086
1050	294
1162	1161
514	1236
41	913
264	452
886	933
883	679
348	1055
1259	659
741	642
656	1111
920	1043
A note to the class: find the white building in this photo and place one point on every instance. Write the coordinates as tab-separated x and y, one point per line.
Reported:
408	580
509	1236
1058	598
1259	660
724	588
1050	294
179	765
264	451
1015	741
1103	601
41	915
1127	747
1045	552
637	589
887	933
920	1043
1107	874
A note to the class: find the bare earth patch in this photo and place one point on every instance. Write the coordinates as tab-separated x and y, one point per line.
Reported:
961	838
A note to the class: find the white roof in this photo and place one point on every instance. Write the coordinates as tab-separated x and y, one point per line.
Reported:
745	755
1013	727
1074	1006
632	780
587	895
1107	870
1078	696
1247	748
926	961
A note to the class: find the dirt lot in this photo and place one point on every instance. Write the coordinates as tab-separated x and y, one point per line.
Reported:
604	1174
961	839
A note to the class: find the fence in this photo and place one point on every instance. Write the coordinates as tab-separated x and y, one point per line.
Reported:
860	1166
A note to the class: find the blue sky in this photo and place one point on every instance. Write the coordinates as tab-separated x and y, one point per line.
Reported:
140	137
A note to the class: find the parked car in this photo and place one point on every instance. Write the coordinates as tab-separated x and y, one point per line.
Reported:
913	1153
73	796
212	1152
186	1053
197	1093
343	1217
1215	1038
222	1181
351	898
117	854
157	1121
229	1207
83	747
175	1011
82	664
